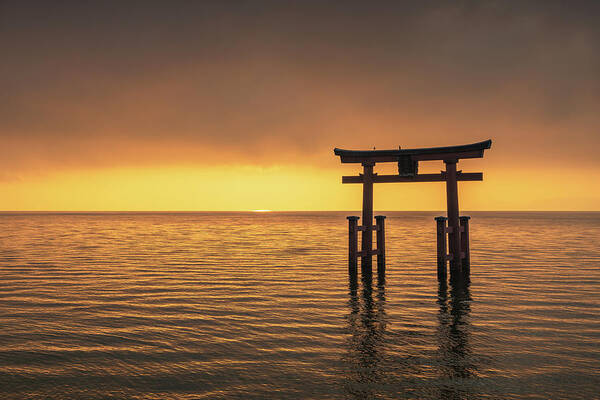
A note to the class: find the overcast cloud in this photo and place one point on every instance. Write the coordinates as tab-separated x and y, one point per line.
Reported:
101	83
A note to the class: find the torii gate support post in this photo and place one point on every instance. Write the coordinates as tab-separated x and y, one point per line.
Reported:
464	243
352	245
367	220
453	216
380	224
441	247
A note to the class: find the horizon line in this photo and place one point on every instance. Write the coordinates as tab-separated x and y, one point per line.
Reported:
256	211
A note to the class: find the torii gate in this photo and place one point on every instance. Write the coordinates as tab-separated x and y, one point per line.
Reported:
408	160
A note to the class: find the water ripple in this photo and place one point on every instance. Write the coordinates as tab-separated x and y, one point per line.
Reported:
243	305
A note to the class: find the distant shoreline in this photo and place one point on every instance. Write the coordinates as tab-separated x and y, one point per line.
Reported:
263	212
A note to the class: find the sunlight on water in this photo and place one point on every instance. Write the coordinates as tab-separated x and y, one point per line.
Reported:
259	305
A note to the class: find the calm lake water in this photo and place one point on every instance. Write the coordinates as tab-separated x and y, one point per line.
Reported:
259	305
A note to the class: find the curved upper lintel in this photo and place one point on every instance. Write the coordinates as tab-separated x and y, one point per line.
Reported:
473	150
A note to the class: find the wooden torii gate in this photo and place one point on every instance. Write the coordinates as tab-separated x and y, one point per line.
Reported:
457	230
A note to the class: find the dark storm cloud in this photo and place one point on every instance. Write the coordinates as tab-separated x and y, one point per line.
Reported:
147	82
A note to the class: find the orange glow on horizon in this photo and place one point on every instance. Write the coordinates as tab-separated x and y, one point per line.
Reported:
288	188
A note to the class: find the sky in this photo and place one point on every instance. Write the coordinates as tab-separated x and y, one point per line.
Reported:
237	105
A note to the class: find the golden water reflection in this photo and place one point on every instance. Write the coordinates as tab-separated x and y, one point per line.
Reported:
258	305
366	344
453	334
372	373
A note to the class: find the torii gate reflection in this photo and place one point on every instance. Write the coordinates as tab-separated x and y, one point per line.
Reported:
457	229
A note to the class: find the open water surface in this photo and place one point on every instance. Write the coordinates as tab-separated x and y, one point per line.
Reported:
259	305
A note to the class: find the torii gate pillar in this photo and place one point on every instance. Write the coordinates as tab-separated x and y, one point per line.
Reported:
367	219
453	215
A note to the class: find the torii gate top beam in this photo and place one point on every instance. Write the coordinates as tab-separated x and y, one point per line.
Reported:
474	150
